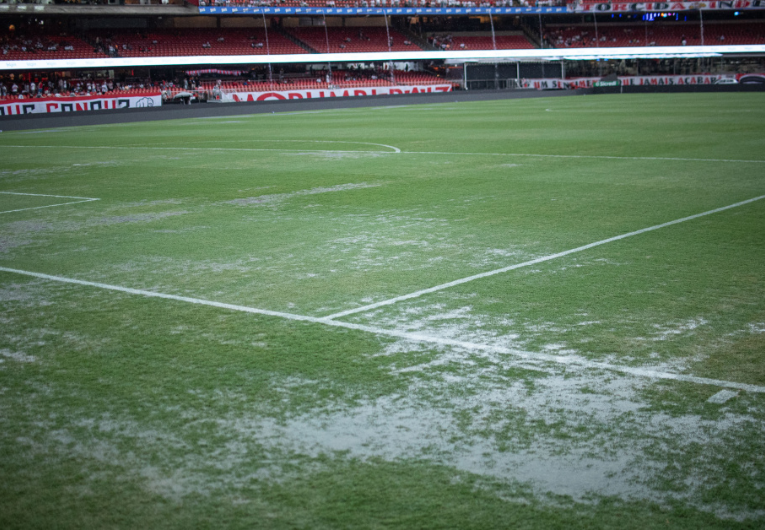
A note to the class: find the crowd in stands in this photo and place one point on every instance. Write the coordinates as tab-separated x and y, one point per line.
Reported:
40	45
502	42
584	36
204	41
36	43
94	2
201	41
384	3
326	3
323	80
31	87
46	87
346	40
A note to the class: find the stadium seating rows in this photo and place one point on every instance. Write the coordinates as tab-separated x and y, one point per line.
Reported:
114	93
44	46
654	35
383	3
347	40
503	42
340	79
204	41
253	41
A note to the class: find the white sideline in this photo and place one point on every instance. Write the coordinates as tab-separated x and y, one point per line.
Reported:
598	157
535	261
83	199
532	155
221	149
392	148
415	337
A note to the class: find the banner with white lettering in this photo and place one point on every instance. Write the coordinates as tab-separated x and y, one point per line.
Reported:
76	104
334	92
616	7
649	80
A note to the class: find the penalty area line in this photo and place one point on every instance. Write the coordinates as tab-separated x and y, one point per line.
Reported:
414	337
82	199
542	259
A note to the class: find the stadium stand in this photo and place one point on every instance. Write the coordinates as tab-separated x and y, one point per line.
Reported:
201	41
582	36
381	3
318	81
348	40
503	42
44	46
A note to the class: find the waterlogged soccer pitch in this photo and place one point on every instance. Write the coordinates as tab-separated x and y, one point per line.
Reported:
545	313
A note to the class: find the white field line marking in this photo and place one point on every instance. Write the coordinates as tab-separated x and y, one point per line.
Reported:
722	396
222	149
531	155
83	199
394	149
535	261
46	195
598	157
414	337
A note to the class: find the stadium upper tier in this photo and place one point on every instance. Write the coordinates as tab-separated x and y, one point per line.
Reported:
20	46
41	45
347	40
485	42
381	3
613	35
203	41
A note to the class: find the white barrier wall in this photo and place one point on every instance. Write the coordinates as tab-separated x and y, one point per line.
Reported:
334	93
77	104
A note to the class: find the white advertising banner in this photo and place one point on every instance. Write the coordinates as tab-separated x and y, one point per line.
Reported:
617	7
76	104
334	92
650	80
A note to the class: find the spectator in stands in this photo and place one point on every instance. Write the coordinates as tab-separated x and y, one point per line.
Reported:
14	89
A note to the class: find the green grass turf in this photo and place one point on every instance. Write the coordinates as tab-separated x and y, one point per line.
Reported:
118	410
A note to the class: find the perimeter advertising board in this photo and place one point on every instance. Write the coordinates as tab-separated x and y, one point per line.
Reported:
335	92
77	104
652	80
